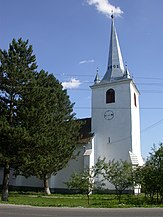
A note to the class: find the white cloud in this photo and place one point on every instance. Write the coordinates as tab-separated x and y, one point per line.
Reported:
105	7
73	83
87	61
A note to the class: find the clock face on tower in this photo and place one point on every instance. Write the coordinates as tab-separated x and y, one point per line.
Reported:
108	115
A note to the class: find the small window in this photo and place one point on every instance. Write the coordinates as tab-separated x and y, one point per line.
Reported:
135	103
110	96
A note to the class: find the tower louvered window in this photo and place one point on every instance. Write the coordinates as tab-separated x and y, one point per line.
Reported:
110	96
135	103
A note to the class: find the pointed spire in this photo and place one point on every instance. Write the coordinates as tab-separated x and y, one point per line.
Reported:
115	68
97	79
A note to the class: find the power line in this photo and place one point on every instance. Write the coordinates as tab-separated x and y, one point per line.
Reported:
85	89
92	76
151	91
151	84
97	108
153	125
150	78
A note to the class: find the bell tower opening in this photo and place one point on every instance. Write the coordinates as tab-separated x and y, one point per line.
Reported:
110	96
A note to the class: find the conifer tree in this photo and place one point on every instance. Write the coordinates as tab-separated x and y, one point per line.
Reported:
38	129
17	69
52	126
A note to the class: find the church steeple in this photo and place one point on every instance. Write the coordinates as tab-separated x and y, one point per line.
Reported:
115	68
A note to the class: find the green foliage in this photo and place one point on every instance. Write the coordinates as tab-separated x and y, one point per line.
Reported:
150	175
118	173
83	181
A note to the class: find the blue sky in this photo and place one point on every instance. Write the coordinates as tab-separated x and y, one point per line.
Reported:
71	39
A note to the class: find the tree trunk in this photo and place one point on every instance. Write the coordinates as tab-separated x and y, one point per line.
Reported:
88	198
46	186
5	184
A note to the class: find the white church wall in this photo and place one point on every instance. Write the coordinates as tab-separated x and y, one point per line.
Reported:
135	127
17	181
28	182
74	165
92	160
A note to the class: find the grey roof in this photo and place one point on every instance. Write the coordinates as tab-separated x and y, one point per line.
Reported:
115	67
85	130
88	152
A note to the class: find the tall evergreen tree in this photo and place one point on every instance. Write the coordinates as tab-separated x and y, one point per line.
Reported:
49	118
17	69
38	129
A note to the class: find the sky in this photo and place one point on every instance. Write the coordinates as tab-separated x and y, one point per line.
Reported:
70	39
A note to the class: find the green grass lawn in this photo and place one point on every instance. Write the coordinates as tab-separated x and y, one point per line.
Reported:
77	200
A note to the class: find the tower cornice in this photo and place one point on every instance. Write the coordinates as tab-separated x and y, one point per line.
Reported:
115	83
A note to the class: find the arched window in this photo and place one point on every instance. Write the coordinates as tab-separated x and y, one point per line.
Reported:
110	96
135	103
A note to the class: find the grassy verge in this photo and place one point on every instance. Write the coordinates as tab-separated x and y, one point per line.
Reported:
96	200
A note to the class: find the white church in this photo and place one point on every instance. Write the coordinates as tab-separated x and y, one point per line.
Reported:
112	132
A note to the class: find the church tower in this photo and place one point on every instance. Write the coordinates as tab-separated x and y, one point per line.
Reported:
115	110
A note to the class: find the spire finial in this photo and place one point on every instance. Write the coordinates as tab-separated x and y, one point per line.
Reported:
126	64
97	79
112	14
